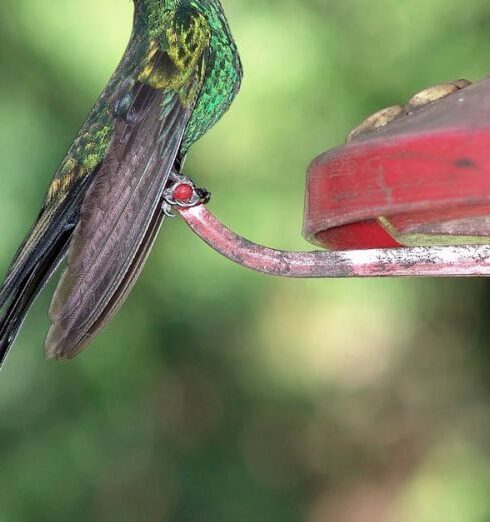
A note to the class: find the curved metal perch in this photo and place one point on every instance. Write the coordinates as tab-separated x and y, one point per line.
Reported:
417	261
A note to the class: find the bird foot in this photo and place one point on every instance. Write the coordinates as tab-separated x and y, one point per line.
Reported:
421	99
182	192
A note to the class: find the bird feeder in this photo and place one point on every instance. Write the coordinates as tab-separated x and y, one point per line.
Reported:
407	196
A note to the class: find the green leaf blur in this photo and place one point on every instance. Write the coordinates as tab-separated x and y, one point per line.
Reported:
217	394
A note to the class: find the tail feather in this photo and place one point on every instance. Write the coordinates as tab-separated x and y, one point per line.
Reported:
44	247
45	232
30	282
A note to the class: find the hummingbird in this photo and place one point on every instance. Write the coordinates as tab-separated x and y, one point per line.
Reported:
104	207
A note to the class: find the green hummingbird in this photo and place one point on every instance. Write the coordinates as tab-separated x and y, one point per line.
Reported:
104	207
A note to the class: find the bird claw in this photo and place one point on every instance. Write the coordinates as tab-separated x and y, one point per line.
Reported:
182	192
167	210
417	101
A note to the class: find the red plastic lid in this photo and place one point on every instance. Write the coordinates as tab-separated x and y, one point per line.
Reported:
424	179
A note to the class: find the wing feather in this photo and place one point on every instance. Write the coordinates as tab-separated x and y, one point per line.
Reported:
120	214
115	217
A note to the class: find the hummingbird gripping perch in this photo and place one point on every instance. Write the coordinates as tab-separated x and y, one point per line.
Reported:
104	207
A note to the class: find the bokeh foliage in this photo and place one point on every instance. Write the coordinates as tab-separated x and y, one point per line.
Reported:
218	394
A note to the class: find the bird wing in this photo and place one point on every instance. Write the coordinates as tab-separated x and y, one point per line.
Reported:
121	213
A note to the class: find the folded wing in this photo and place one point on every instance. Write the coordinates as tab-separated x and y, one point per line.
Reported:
121	213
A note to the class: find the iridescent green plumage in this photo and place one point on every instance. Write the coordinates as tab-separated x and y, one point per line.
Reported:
154	20
178	76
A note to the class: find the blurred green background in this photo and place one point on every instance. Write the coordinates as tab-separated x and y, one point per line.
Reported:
218	394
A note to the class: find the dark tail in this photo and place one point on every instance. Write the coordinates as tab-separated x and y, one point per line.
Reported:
29	282
37	258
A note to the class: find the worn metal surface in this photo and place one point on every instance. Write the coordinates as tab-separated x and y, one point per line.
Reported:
417	261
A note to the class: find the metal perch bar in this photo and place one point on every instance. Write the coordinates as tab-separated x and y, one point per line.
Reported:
469	260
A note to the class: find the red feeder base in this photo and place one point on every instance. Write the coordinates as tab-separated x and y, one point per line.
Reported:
422	180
